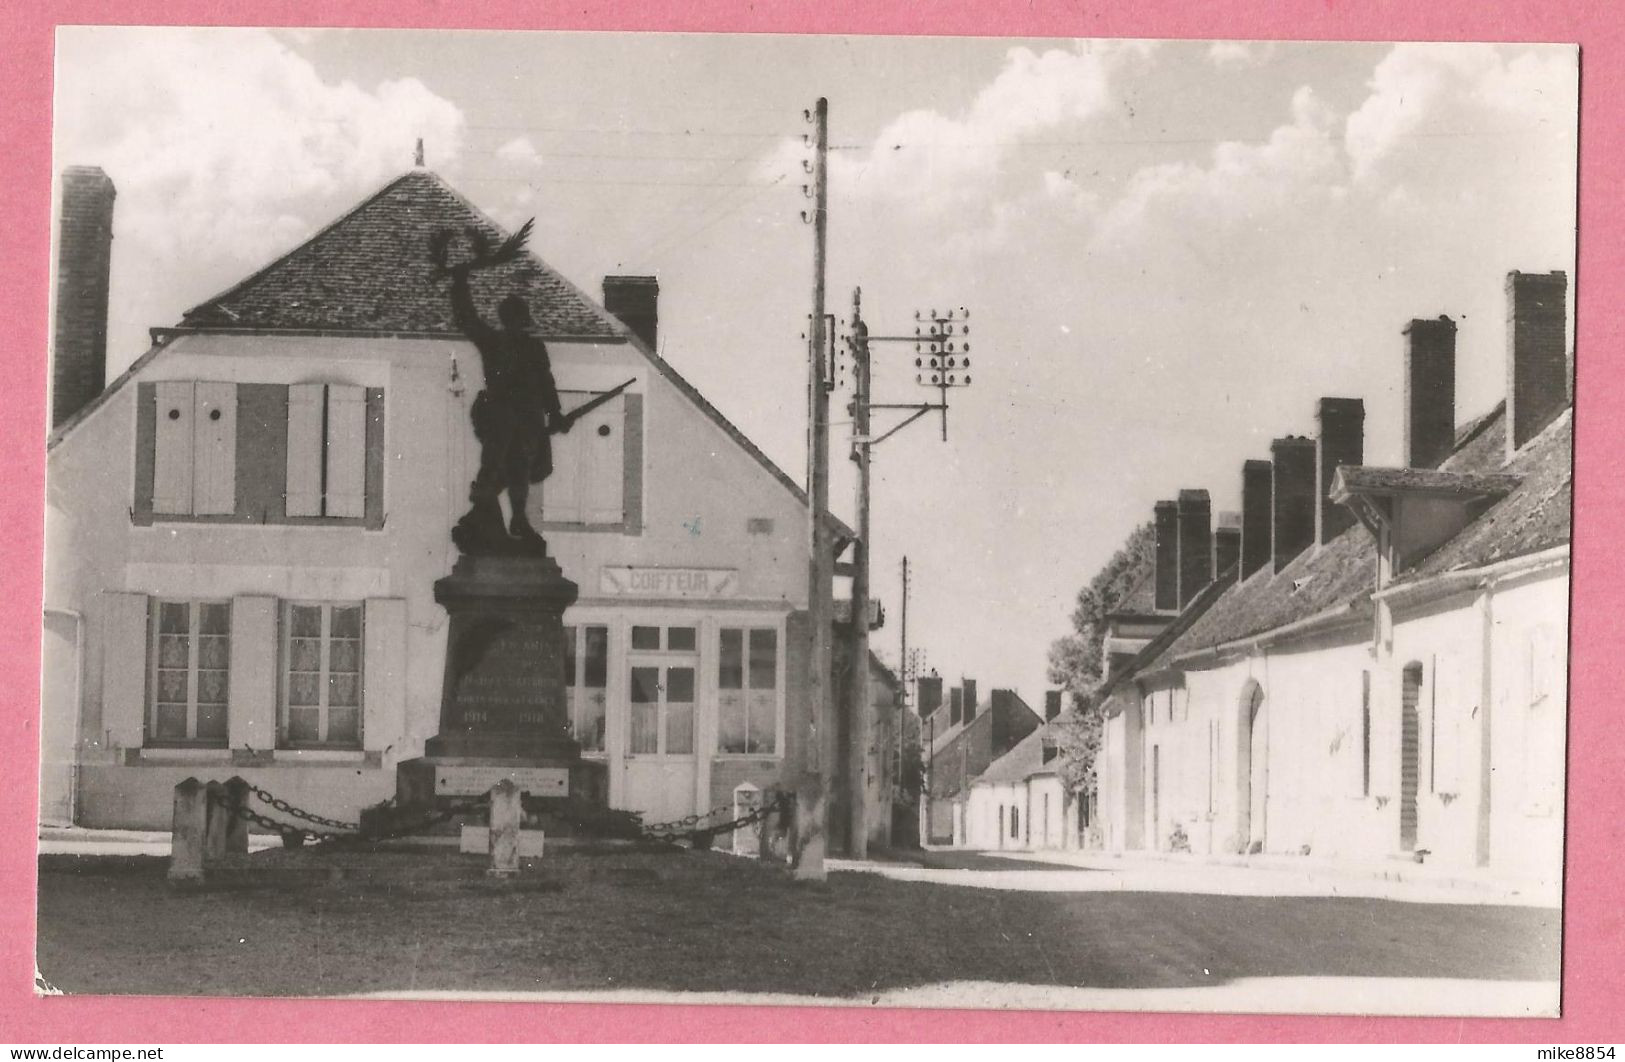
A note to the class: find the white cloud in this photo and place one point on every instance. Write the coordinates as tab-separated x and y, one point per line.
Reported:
1242	181
1441	93
928	161
1238	54
226	147
520	152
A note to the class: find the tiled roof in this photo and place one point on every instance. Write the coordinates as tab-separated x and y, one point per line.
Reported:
1536	516
1025	759
1342	574
370	271
1369	479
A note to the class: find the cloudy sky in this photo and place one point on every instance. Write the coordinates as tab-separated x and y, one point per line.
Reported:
1169	250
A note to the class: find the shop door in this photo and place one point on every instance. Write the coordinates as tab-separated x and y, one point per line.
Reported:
659	740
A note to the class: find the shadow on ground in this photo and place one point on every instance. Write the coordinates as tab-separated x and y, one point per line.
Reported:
959	860
399	922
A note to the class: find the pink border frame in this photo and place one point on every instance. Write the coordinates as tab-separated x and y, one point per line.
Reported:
1594	958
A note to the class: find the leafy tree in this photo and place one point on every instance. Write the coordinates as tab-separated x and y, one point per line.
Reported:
1075	662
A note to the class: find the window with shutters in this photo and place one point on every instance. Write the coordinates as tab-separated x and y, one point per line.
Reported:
588	484
190	665
195	448
748	690
258	453
327	450
321	681
586	676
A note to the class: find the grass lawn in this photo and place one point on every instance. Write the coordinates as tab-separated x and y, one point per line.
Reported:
614	918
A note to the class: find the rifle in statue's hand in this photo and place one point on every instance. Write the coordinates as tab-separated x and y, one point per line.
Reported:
565	421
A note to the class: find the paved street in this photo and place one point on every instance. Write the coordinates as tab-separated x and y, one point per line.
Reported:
613	924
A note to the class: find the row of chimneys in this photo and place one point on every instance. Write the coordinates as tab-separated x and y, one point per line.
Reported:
1284	502
962	699
84	256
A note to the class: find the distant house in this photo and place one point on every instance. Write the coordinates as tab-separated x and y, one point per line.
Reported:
1021	802
1381	670
963	744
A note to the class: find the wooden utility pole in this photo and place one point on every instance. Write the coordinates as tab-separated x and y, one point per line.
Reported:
858	715
819	752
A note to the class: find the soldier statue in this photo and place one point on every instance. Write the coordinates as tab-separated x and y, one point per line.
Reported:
517	412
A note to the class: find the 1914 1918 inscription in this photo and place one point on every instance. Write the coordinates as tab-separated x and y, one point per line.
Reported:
509	678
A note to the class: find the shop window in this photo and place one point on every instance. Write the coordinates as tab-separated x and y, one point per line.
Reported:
191	670
747	691
586	675
664	639
321	687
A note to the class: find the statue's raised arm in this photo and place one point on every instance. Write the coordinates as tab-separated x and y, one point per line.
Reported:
463	311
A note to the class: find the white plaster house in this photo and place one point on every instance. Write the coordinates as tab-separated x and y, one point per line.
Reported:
1382	671
244	530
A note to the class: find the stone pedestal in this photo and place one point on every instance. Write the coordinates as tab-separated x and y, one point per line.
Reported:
503	713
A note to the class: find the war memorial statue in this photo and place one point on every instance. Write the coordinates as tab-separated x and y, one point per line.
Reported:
503	708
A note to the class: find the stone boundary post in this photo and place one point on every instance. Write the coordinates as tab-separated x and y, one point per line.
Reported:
506	816
188	828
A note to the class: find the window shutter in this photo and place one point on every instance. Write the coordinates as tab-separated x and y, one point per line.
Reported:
604	463
632	464
306	404
172	458
346	450
124	667
251	696
214	449
1448	710
383	679
561	491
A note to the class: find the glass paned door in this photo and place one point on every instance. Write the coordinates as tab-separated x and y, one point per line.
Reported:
659	758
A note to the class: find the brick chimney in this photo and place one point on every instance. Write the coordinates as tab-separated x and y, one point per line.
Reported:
1226	543
1052	704
1292	498
635	301
1430	391
1256	519
1341	442
970	698
956	706
1195	514
1537	353
1166	531
928	692
84	250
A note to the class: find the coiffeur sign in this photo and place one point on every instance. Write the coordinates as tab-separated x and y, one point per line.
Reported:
630	581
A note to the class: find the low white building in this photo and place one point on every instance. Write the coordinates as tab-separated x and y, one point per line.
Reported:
1019	802
1382	672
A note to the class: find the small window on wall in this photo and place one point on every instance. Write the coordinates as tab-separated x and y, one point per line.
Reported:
191	670
664	639
747	691
586	674
321	688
